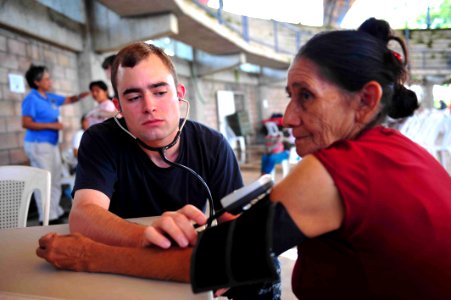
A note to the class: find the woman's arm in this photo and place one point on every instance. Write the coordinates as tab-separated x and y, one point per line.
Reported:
75	98
79	253
28	123
310	197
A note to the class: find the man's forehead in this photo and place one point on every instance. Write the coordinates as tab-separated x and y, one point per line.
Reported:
152	64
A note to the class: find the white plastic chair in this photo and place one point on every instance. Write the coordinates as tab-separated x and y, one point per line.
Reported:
234	141
17	184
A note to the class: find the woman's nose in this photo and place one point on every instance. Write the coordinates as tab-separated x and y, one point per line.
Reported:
288	117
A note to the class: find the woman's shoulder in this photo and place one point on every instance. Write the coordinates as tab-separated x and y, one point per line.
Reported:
107	105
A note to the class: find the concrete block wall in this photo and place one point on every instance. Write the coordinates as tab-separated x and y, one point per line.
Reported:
17	52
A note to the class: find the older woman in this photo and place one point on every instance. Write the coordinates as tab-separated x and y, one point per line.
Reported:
368	208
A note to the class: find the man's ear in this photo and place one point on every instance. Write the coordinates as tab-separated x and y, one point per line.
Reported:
370	97
181	91
117	104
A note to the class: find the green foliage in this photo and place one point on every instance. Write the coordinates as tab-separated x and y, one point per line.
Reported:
440	17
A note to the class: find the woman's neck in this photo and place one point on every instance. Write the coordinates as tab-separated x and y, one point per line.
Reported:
101	101
42	93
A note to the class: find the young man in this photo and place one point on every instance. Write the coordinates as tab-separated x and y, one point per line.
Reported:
118	178
126	166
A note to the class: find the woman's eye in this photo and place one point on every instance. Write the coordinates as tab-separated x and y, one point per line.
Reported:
305	95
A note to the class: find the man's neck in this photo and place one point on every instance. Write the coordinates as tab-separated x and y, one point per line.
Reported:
171	154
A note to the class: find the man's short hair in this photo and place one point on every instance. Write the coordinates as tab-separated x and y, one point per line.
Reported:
133	54
108	62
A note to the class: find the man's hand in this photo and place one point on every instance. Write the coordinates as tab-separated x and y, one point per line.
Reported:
176	226
69	252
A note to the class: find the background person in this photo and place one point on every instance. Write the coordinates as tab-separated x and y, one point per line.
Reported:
373	206
105	108
107	64
76	140
275	153
40	113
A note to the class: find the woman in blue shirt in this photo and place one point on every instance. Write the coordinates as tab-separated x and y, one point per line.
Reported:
40	113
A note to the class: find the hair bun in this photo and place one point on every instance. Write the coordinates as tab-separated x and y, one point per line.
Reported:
377	28
404	103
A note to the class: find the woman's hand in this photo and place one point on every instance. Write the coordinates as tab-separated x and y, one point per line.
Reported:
78	253
69	252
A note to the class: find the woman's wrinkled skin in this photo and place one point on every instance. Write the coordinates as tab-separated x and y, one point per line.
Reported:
319	112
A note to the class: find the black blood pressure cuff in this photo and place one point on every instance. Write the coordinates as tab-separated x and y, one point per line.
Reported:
240	252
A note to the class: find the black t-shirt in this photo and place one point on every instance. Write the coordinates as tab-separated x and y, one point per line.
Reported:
110	161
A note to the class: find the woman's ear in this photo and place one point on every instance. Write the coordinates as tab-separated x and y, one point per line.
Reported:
370	97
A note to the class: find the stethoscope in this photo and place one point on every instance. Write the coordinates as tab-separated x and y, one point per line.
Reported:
162	150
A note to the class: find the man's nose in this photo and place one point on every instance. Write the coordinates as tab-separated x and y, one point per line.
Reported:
149	103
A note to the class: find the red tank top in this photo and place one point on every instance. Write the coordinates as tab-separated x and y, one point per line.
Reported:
395	240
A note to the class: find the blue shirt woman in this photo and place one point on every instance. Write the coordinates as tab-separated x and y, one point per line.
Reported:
40	113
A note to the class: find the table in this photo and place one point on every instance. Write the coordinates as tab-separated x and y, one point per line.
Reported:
23	275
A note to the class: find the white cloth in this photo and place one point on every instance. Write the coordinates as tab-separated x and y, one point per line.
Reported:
77	139
47	156
101	112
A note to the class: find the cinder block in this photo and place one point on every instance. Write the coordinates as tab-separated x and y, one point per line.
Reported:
9	141
4	158
18	157
16	47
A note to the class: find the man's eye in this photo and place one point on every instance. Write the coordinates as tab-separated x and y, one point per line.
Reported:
160	93
134	98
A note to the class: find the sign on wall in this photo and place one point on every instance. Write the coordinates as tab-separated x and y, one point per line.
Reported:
16	83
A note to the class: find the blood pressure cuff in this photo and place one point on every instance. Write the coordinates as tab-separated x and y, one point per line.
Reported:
240	252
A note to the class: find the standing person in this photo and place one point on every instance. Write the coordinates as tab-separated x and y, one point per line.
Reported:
76	140
40	113
126	167
105	108
107	64
369	208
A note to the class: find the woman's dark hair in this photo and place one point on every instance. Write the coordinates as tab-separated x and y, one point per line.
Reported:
100	84
352	58
34	73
